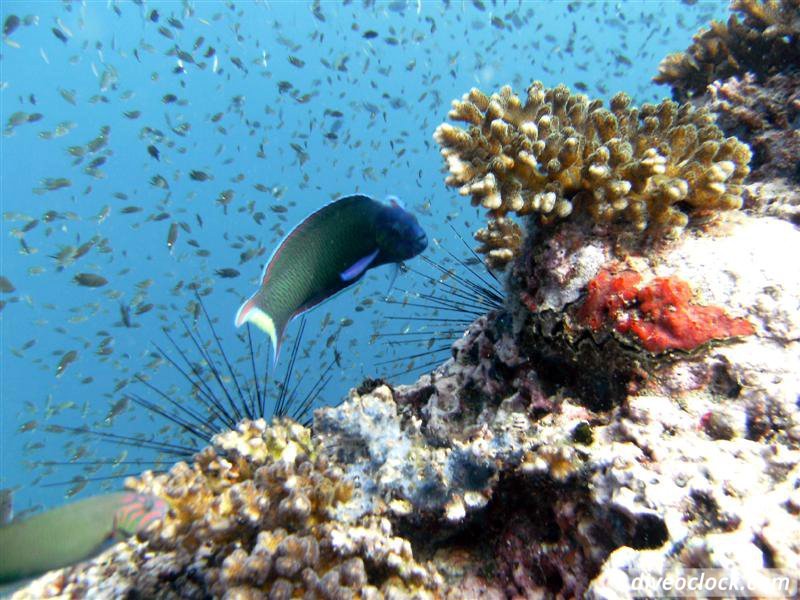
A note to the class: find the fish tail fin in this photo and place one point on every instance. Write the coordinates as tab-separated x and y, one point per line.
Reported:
250	312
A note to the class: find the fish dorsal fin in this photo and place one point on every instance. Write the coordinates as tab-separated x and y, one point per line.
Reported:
358	268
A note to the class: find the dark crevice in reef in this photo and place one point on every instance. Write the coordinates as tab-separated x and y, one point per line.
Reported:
369	384
542	348
649	532
577	366
723	383
707	515
376	572
418	397
769	554
521	539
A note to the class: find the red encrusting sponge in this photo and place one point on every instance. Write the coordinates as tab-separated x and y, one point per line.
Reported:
660	314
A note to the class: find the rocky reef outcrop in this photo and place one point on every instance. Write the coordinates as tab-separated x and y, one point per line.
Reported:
555	453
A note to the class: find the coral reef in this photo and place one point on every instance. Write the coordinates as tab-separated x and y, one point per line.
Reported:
652	168
550	456
720	503
519	482
604	338
568	489
255	516
760	37
631	411
746	73
765	115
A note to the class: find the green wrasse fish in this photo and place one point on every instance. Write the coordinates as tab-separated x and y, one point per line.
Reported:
69	534
328	251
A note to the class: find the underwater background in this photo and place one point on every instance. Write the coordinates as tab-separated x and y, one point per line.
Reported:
224	124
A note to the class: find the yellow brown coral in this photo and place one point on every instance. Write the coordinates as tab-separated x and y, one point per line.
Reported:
255	516
764	42
652	167
500	239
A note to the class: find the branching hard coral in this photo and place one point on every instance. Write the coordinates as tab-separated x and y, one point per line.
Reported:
764	42
500	239
653	168
255	516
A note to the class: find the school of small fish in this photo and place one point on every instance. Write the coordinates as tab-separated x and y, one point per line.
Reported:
162	150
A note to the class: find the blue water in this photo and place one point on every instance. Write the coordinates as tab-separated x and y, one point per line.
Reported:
392	91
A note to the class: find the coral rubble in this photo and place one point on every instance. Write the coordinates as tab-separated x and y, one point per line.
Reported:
760	37
653	168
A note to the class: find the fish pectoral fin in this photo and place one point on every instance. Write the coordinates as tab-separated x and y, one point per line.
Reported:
358	268
397	268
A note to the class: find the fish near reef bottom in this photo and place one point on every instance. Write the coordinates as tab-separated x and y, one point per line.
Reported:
69	534
328	251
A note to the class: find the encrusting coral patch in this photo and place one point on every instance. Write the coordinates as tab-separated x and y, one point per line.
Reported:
652	168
